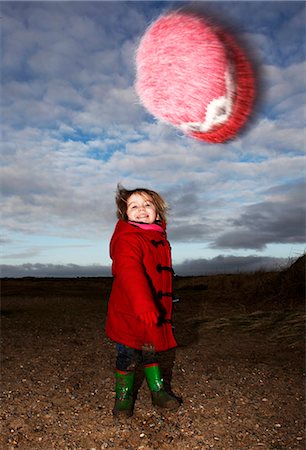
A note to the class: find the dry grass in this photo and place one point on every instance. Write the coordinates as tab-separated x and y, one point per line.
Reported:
272	303
287	325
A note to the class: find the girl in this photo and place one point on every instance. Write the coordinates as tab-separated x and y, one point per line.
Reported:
140	304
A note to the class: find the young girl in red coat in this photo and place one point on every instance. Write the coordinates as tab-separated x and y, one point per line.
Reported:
140	304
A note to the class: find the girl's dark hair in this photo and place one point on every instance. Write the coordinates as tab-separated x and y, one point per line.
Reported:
122	196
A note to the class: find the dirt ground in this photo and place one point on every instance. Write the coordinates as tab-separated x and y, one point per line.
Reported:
239	367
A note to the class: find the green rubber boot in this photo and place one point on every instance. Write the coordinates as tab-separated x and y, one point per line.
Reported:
124	401
160	397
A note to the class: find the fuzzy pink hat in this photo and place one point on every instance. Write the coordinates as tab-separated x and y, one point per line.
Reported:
194	76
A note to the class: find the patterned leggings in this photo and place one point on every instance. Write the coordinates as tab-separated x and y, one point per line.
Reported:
128	358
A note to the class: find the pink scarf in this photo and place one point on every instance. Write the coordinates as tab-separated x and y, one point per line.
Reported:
147	226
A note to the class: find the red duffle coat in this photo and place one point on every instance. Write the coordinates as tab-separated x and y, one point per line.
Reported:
142	282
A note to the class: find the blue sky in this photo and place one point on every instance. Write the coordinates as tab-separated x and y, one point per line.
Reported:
73	128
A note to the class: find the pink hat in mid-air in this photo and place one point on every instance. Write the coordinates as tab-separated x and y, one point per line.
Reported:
193	75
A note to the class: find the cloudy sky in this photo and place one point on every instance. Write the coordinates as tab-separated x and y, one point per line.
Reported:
73	128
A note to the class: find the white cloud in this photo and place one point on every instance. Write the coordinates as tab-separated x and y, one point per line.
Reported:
53	270
278	218
283	83
229	264
74	127
221	264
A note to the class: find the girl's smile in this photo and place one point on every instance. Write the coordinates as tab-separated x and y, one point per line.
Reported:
140	208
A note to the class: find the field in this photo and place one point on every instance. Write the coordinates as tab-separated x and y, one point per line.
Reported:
239	366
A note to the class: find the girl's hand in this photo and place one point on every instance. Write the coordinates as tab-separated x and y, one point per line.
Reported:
150	318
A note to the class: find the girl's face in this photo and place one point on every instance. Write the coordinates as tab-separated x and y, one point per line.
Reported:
140	208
